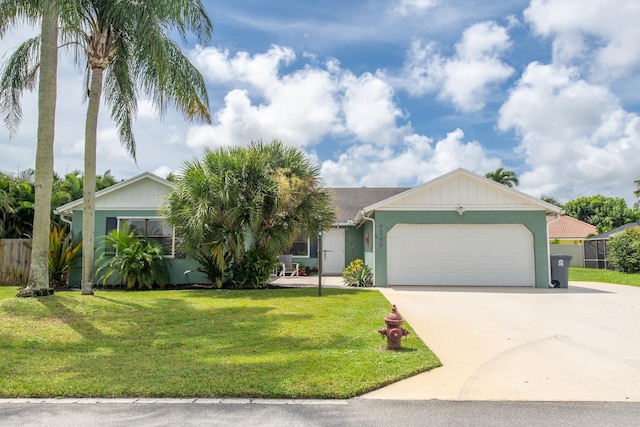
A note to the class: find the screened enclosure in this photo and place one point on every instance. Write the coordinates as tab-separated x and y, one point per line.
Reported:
596	248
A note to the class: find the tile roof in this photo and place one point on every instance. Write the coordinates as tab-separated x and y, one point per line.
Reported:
349	201
567	227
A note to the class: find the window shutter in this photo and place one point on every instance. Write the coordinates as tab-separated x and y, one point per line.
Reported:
112	224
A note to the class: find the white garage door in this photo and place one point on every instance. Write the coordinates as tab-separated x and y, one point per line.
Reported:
460	254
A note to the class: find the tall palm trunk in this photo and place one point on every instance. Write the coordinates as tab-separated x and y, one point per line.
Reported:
38	283
89	191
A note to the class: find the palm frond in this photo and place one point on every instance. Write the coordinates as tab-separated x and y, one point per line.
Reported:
19	74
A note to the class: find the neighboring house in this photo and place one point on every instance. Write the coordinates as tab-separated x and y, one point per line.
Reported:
566	235
460	229
596	248
136	201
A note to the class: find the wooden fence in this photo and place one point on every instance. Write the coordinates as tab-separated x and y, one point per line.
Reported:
15	261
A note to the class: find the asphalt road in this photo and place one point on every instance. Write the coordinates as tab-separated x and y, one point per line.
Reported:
356	412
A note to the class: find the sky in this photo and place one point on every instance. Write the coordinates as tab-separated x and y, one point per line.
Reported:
386	93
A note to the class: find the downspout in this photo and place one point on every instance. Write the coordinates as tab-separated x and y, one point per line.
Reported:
373	240
65	220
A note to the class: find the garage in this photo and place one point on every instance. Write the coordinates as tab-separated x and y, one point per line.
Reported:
460	255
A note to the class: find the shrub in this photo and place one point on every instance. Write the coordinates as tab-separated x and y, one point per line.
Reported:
358	274
252	273
624	251
133	261
64	251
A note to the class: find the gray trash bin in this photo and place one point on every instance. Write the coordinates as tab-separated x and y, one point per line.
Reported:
560	270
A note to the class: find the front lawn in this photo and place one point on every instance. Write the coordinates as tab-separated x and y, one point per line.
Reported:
580	274
282	343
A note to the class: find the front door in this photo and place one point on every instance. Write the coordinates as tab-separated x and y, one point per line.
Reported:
333	251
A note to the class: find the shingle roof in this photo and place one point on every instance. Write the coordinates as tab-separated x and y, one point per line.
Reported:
349	201
566	227
611	233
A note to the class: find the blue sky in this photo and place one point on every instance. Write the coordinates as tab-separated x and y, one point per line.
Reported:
394	93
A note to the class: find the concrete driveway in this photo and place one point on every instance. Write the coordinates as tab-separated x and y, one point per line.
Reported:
576	344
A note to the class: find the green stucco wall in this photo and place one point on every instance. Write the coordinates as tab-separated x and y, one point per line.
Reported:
535	221
354	244
177	267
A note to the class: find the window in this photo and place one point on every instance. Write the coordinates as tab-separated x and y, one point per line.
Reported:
300	247
153	229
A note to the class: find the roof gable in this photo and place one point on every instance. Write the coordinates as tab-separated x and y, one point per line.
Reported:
466	190
142	192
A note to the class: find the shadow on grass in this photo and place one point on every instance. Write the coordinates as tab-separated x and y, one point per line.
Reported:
214	343
266	294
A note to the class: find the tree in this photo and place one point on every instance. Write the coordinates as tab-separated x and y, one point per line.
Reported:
551	200
21	75
17	198
606	213
241	207
504	177
105	180
131	42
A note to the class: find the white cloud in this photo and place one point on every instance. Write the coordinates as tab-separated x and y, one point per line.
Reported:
260	70
408	7
300	108
576	137
417	160
369	110
604	30
464	79
146	110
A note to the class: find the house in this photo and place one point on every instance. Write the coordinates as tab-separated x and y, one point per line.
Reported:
136	201
567	235
596	248
460	229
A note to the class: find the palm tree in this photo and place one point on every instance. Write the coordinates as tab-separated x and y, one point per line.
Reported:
504	177
130	41
48	12
247	202
128	49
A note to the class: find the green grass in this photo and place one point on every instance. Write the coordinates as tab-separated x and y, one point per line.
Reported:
580	274
282	343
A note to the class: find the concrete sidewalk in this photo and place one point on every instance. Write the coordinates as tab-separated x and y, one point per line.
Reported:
576	344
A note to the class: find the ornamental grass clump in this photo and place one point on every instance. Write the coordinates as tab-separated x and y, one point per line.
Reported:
358	274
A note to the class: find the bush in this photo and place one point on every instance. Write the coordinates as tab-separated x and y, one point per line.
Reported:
624	251
133	261
253	273
64	252
358	274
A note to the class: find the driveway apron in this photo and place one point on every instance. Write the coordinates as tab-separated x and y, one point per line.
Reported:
575	344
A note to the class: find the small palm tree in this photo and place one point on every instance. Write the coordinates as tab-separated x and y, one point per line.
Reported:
247	201
504	177
64	252
130	260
